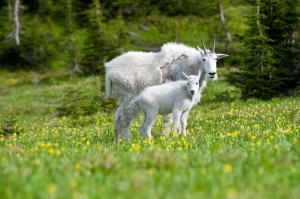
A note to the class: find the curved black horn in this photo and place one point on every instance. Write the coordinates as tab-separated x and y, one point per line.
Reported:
203	46
214	45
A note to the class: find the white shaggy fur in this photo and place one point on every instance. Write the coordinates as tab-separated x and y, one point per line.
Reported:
175	97
130	73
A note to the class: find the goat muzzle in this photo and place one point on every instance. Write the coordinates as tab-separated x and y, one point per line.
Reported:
212	74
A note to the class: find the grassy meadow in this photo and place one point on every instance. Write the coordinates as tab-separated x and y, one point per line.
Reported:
56	141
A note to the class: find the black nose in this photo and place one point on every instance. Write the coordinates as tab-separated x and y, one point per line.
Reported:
212	73
192	92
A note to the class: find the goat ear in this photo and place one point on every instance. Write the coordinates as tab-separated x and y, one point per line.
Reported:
220	56
201	51
185	75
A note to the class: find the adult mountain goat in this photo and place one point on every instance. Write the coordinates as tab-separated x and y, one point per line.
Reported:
130	73
176	97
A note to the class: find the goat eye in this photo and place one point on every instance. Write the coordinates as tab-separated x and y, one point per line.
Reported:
188	84
197	83
203	59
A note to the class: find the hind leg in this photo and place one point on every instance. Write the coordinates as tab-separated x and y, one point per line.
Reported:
167	123
118	117
122	122
126	128
143	125
150	119
130	112
125	122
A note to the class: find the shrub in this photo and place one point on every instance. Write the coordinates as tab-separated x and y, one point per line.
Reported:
10	126
77	102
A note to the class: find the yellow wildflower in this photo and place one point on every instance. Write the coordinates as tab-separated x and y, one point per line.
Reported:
48	144
234	134
136	147
256	126
150	172
77	165
258	143
52	188
295	140
179	148
227	168
148	141
162	138
51	150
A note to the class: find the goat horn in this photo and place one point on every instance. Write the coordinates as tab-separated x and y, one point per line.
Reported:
203	46
185	75
214	45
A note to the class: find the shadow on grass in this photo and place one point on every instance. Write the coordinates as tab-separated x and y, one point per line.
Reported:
224	97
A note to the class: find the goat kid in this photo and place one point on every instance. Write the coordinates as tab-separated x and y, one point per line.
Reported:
176	97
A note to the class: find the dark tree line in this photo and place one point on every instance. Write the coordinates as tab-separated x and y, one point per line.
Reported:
79	35
58	34
271	64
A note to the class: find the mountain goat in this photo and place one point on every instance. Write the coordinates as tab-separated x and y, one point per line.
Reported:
175	97
130	73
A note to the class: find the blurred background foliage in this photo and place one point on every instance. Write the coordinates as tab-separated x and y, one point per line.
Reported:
79	36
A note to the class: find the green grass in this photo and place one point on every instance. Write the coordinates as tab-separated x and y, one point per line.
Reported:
234	148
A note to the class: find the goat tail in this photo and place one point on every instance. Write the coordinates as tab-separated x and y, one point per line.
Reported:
108	85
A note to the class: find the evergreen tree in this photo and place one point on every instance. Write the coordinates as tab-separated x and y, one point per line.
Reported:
269	67
105	40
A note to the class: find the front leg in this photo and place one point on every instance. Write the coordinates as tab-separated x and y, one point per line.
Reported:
176	117
183	122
